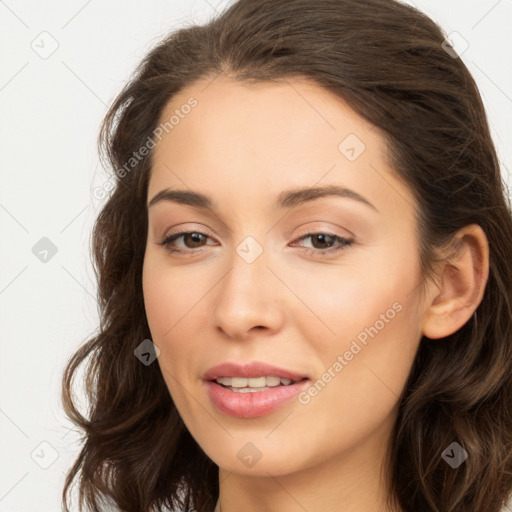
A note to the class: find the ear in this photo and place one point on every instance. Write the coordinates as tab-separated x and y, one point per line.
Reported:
460	286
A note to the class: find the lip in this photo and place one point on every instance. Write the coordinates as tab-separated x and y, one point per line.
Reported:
253	404
257	403
254	369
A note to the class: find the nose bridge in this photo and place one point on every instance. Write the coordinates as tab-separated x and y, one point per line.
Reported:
246	297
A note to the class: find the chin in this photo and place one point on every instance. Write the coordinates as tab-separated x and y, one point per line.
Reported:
247	459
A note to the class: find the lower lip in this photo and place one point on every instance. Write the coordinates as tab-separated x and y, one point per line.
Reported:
253	404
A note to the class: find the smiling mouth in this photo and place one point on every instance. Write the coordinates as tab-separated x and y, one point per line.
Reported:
246	398
254	384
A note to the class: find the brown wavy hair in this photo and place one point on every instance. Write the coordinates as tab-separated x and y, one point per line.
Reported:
387	60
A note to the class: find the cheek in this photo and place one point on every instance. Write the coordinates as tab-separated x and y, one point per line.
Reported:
164	307
364	368
169	296
338	303
371	319
175	301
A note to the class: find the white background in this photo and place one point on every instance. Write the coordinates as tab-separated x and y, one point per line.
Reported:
50	112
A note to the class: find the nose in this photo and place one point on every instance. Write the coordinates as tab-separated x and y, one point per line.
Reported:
248	299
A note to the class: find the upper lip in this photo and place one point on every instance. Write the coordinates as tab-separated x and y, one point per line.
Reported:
254	369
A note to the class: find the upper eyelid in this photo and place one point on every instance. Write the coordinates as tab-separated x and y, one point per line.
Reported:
185	229
228	234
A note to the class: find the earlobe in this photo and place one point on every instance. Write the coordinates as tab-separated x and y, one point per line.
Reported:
460	286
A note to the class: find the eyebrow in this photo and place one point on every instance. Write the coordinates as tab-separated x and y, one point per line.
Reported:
286	199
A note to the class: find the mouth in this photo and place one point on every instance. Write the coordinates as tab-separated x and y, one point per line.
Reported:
252	389
248	398
254	384
253	372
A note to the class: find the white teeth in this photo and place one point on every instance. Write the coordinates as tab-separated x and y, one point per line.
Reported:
253	382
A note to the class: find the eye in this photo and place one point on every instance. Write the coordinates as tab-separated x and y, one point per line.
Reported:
194	238
324	238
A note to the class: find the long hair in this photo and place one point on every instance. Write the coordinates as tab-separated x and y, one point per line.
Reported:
390	63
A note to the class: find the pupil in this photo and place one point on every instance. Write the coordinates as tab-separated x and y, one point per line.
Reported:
322	236
196	237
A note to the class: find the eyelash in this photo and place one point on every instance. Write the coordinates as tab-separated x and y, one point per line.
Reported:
343	242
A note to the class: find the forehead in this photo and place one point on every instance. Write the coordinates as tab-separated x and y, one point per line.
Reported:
259	139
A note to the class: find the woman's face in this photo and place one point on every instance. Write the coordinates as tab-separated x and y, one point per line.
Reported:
325	286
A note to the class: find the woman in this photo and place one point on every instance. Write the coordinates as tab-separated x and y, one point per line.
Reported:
304	273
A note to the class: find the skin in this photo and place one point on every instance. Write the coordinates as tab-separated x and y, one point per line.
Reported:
243	145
